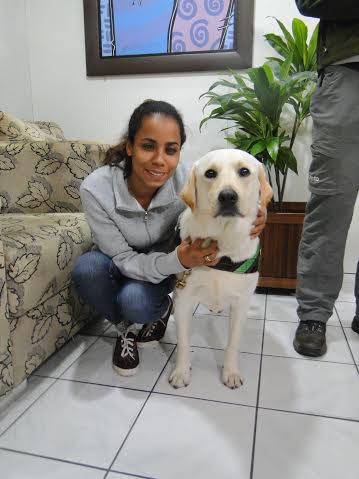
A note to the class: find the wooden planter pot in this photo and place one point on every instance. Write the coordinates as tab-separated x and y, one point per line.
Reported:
279	243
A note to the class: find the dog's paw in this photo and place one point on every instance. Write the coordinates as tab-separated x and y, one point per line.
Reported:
232	378
180	378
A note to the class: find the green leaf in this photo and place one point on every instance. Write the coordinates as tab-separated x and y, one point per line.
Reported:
272	145
312	50
285	67
287	35
286	159
258	147
224	83
267	91
240	143
277	42
300	33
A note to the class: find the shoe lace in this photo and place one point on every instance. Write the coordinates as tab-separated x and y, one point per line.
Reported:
127	347
148	330
315	326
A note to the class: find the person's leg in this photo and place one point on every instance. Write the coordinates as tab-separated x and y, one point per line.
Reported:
140	302
144	302
333	182
125	302
321	253
94	277
320	267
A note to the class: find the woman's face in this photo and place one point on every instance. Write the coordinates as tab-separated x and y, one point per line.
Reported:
155	152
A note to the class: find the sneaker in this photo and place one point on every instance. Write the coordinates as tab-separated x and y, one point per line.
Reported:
153	332
125	358
355	324
310	338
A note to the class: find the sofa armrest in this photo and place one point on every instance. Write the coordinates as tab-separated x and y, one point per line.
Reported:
6	367
51	128
44	177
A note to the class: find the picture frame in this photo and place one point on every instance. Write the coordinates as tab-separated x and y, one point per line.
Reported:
237	56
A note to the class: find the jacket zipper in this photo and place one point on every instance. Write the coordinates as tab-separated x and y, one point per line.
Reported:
146	217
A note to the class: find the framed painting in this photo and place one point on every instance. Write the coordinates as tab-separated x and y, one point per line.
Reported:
157	36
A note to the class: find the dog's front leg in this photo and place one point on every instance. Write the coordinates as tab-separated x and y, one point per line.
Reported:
231	376
180	376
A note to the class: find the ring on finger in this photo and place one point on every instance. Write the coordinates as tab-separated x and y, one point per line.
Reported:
207	258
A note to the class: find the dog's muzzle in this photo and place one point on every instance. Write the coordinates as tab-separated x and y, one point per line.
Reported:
228	203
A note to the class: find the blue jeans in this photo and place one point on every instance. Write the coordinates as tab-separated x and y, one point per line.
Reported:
100	284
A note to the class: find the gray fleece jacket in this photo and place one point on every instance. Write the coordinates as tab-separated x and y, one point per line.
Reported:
140	242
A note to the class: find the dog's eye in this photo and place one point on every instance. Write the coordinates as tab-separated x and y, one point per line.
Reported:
244	172
210	174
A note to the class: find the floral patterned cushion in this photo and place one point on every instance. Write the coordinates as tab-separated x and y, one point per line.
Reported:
38	333
45	176
40	251
14	129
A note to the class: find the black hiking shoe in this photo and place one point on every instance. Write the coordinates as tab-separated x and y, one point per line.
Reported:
355	324
310	338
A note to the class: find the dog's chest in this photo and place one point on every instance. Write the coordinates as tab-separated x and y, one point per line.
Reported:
218	290
233	236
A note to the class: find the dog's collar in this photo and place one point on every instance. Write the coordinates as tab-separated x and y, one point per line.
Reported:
250	265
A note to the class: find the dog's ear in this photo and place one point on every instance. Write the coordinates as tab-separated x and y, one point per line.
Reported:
188	193
266	189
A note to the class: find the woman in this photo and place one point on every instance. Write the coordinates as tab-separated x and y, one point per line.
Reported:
132	205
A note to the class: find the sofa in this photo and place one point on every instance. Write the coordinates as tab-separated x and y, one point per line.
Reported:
42	232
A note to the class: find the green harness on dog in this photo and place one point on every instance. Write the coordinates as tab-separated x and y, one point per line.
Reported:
250	265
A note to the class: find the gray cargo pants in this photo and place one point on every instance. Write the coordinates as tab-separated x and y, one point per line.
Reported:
334	184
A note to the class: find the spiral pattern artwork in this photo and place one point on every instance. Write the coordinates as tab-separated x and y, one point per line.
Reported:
203	24
178	45
187	9
199	33
214	7
141	27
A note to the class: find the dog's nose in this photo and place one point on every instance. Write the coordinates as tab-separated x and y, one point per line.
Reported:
227	197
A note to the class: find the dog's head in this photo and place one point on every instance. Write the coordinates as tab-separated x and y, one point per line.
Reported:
227	183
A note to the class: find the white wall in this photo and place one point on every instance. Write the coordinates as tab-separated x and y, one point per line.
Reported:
46	79
15	84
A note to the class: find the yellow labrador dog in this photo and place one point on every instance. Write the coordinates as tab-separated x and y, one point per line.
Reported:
223	192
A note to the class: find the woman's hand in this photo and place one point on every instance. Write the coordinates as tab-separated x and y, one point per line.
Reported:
260	222
192	254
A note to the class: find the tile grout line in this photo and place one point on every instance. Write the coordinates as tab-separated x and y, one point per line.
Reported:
154	392
56	459
310	414
258	393
139	413
51	385
296	322
130	474
102	385
346	339
323	361
196	398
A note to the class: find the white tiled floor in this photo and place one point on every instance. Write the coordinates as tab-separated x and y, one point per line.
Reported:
294	418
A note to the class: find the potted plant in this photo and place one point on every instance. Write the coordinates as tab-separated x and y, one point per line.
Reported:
254	103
